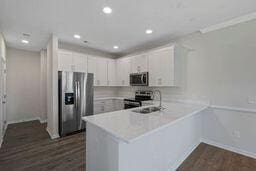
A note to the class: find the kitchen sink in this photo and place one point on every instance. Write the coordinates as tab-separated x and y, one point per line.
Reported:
147	110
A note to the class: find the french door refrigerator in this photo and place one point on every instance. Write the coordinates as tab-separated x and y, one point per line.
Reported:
75	100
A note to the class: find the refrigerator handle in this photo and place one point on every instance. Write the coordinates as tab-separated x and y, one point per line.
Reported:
79	100
76	93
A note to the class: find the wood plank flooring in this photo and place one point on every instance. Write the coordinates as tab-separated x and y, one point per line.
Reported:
27	146
210	158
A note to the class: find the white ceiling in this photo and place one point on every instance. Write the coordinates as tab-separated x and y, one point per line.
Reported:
125	27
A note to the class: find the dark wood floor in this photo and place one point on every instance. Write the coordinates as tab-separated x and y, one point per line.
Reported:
210	158
27	146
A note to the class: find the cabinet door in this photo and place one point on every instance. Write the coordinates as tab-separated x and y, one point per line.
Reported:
161	67
65	61
102	71
139	63
92	68
111	72
98	66
99	106
80	62
123	71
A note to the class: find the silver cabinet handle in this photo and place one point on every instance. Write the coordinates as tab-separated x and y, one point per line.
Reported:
73	68
138	68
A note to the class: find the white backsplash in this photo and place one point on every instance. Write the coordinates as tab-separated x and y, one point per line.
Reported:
105	92
168	94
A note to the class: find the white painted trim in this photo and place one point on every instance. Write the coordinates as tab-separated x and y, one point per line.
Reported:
229	148
238	109
52	135
23	120
183	158
229	23
43	120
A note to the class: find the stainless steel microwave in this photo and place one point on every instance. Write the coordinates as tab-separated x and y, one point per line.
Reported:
139	79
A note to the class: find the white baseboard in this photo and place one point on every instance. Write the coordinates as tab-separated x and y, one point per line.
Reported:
53	136
27	120
23	120
42	121
229	148
184	157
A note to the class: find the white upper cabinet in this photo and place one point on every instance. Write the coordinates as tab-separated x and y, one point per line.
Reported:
71	61
139	63
123	71
80	62
163	67
112	72
98	66
65	60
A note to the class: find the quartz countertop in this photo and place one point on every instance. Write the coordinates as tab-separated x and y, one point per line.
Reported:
128	126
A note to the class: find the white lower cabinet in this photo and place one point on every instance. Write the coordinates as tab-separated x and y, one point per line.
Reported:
110	105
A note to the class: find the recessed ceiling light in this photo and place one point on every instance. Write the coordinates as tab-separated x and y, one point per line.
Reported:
107	10
149	31
115	47
25	41
77	36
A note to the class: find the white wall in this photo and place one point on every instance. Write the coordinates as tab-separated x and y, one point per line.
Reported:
43	85
23	74
233	130
220	69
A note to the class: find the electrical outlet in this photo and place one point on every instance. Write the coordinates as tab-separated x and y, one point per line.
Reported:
236	134
251	100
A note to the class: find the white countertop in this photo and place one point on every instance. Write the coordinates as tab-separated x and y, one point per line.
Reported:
129	126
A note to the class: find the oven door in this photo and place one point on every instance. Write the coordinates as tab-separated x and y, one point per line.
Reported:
139	79
129	104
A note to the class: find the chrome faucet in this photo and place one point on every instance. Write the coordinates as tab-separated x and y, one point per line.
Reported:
160	96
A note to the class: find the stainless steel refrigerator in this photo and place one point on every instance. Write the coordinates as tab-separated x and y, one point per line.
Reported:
75	100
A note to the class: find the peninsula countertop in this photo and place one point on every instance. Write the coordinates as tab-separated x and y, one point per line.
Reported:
128	126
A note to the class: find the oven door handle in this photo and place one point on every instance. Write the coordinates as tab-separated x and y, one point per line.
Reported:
142	76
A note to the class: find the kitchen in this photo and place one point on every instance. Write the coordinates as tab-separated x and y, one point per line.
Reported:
152	93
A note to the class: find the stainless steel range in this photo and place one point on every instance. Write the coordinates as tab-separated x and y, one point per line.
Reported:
140	96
